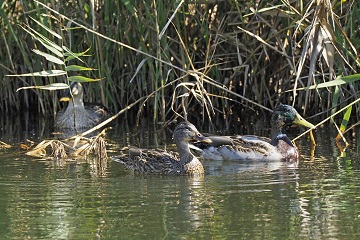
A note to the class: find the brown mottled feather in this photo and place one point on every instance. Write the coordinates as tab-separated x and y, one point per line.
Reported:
279	147
158	161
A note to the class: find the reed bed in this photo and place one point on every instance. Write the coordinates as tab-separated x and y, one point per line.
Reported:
188	58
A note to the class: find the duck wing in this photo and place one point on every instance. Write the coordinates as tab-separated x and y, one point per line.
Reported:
150	161
239	147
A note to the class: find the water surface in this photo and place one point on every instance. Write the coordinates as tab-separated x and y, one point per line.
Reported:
49	199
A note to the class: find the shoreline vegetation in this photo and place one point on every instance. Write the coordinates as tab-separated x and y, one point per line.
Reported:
187	58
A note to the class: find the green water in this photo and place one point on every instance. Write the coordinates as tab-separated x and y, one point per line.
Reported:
47	199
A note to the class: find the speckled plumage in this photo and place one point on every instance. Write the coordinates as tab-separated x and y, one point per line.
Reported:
158	161
247	147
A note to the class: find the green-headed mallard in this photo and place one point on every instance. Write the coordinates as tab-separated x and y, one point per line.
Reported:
248	147
77	115
167	162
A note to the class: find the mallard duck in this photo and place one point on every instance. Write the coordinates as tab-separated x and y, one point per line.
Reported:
247	147
77	115
166	162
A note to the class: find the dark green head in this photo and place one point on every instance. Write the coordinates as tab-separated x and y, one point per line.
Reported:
285	115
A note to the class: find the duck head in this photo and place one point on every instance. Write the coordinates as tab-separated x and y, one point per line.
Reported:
187	132
284	116
76	93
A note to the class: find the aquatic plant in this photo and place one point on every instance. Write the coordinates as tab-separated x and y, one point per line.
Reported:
221	58
79	147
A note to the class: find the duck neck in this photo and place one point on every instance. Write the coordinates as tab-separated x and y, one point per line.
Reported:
184	152
76	102
277	129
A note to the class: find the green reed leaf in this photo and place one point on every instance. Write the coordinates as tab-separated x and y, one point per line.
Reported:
83	79
47	29
346	118
48	73
344	122
49	57
51	46
78	68
338	81
50	87
71	55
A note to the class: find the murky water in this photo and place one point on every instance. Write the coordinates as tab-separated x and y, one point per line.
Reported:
47	199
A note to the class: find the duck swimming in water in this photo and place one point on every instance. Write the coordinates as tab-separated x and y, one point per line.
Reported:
77	115
247	147
166	162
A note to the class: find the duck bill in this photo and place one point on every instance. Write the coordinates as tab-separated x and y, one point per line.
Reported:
64	99
301	121
202	138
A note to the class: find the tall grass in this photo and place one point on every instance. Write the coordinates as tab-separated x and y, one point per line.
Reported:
217	58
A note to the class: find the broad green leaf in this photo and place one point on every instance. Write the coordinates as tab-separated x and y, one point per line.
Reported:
47	29
344	122
338	81
83	79
51	46
48	73
52	49
78	68
49	57
76	54
71	55
50	87
48	41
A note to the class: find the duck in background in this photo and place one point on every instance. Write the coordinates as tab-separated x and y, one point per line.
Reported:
248	147
77	115
163	162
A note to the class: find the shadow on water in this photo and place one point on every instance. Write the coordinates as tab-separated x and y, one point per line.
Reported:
44	198
23	126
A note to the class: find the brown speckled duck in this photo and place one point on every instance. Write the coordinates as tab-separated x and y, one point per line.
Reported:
166	162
